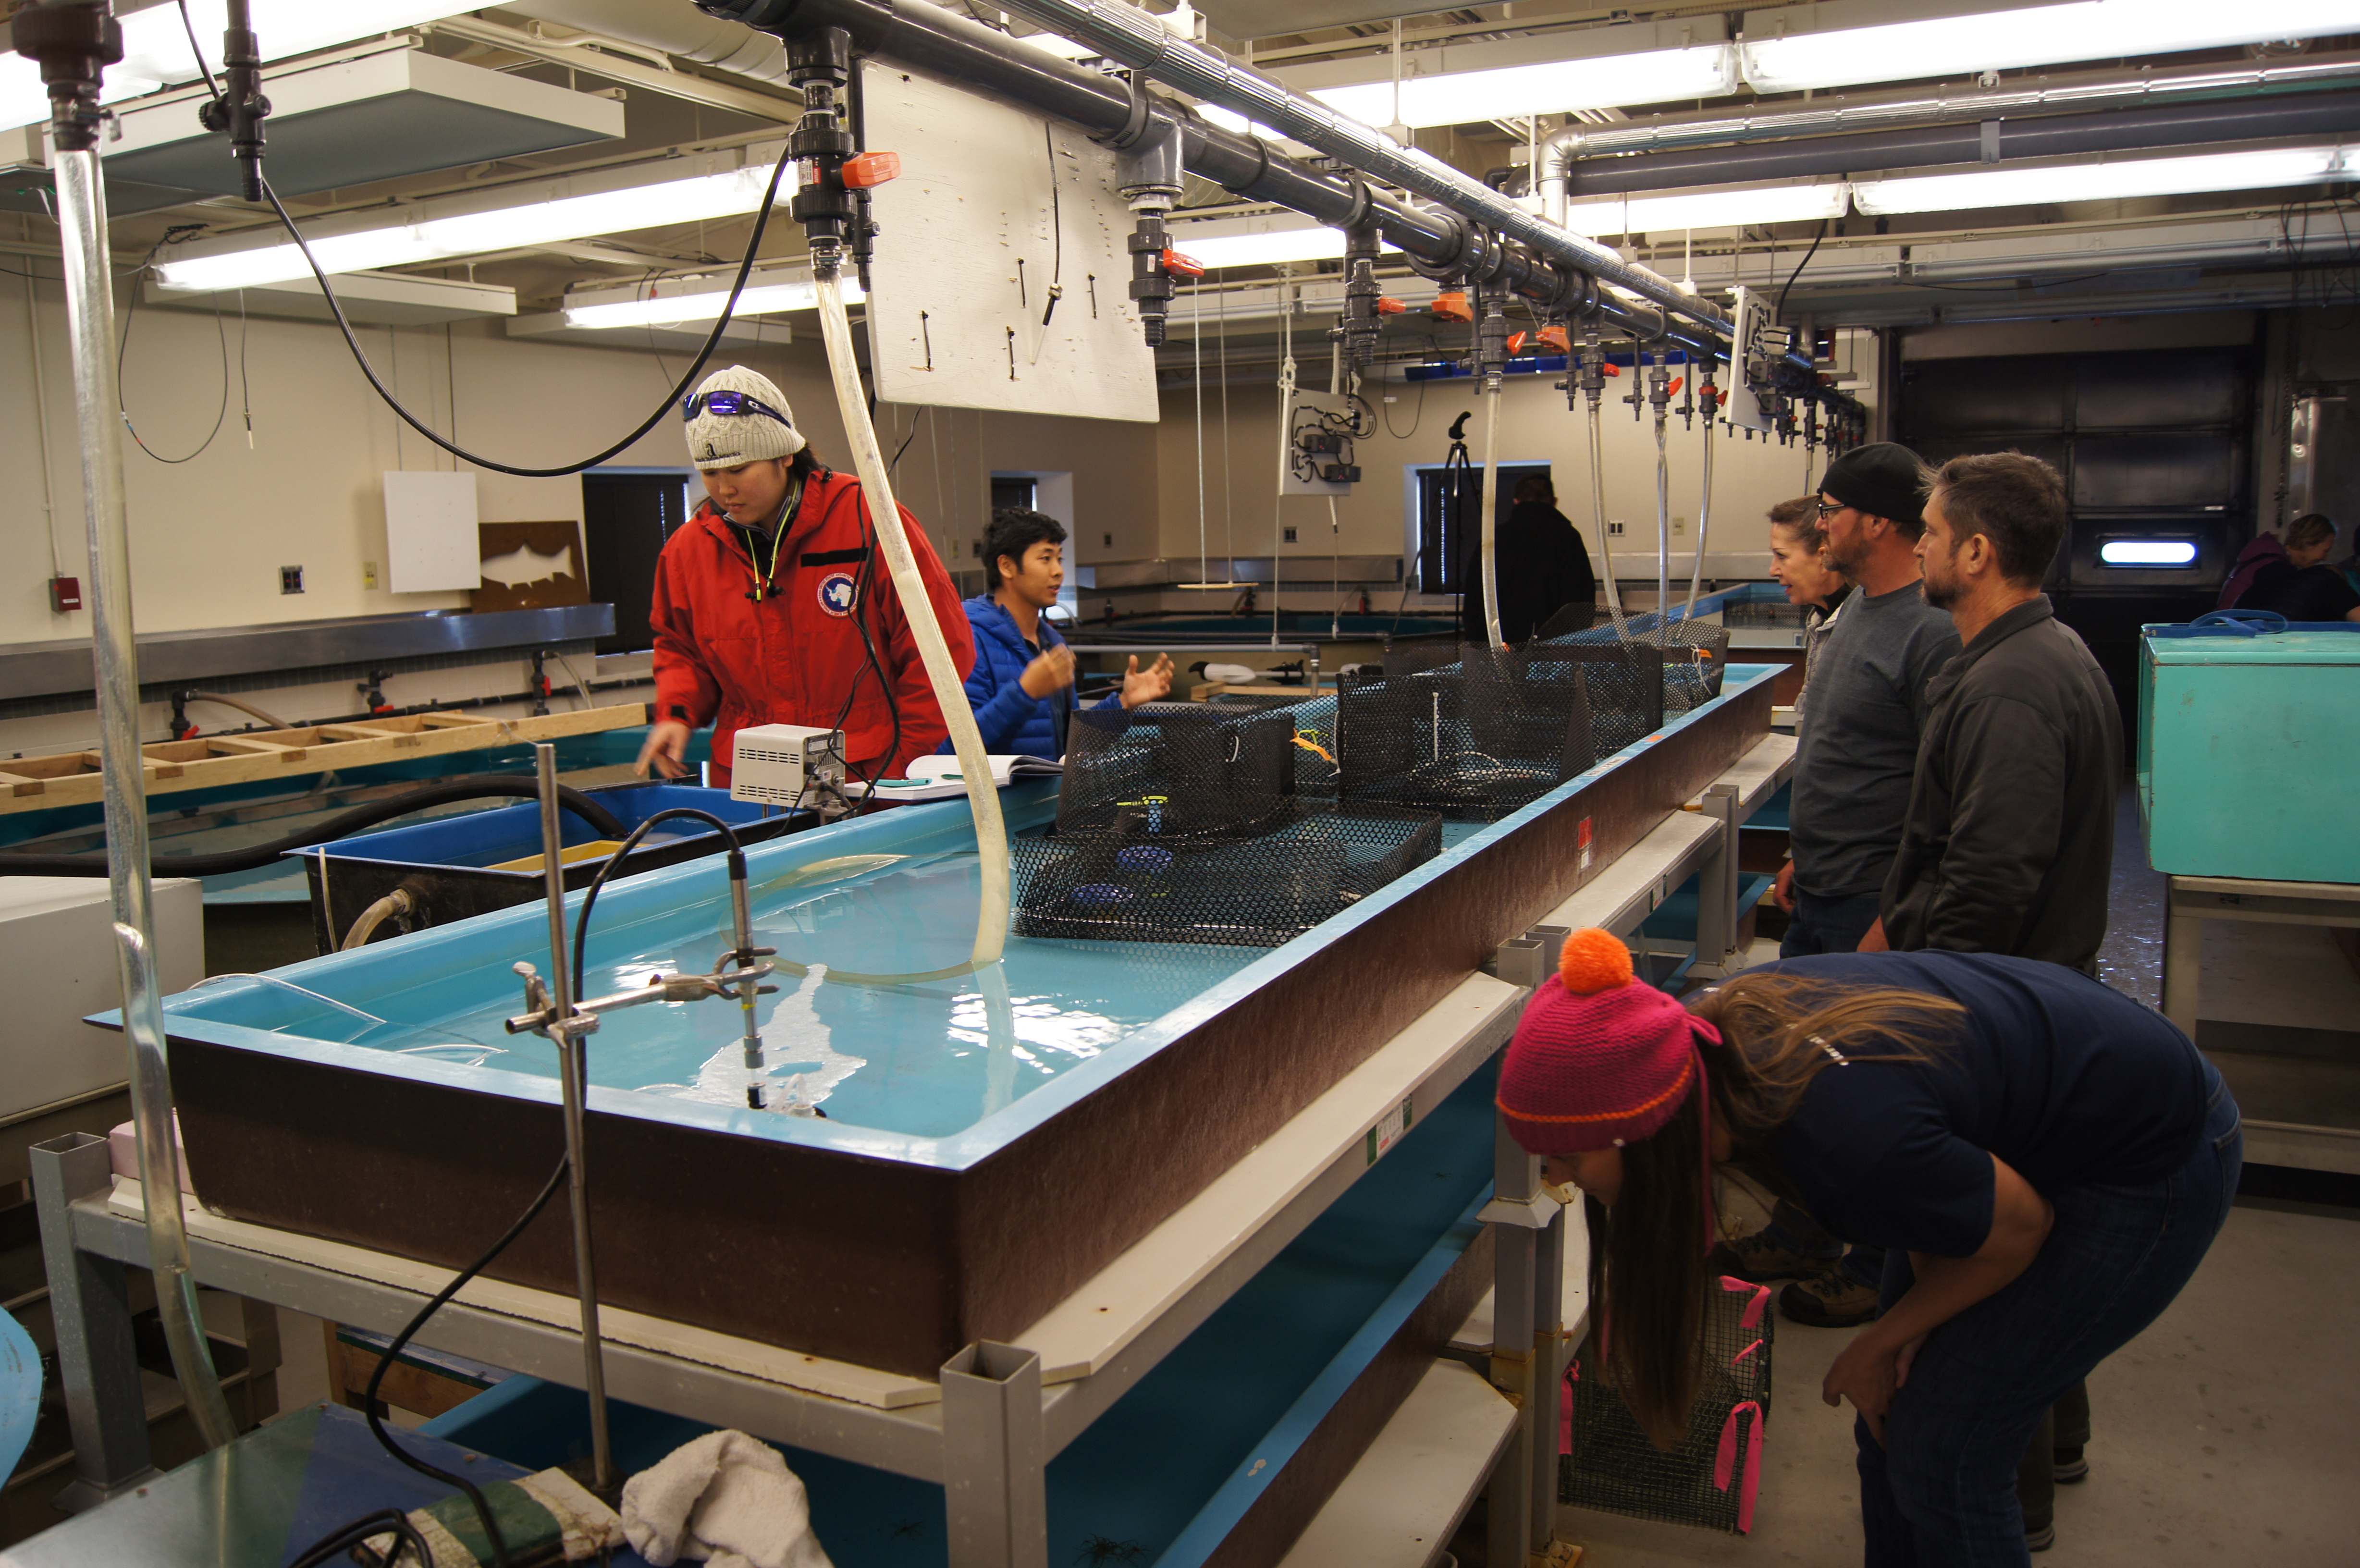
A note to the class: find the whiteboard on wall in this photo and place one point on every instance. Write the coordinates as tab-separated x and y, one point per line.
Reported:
430	545
967	253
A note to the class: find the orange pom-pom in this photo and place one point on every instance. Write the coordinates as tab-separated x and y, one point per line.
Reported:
1593	960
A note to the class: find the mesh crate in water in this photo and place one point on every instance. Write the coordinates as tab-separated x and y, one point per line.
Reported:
1640	678
1184	768
1476	741
1263	888
1711	1477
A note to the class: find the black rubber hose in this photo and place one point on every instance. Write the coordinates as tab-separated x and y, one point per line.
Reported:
476	788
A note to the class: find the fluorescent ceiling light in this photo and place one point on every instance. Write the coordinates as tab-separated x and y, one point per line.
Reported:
1707	210
1543	87
1779	55
156	46
2104	182
697	199
765	294
2148	552
1230	120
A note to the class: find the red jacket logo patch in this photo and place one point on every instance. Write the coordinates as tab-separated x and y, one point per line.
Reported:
836	594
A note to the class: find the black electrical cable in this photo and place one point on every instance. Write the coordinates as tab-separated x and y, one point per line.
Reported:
123	349
894	467
607	869
14	862
353	1536
1781	312
442	1298
679	389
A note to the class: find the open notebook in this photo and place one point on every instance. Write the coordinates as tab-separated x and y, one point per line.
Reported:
937	777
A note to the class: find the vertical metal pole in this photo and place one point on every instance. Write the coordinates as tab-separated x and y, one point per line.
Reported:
90	320
1548	1372
91	1310
2183	956
573	1071
1516	1177
741	915
1716	929
995	1454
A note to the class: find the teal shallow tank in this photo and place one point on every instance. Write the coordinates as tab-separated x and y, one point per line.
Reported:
2249	750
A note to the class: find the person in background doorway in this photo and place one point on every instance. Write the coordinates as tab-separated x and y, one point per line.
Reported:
2009	844
1857	750
772	604
2047	1161
2299	585
1542	564
2262	549
1799	563
1022	684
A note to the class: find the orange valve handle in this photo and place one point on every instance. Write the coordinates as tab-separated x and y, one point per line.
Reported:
871	168
1181	265
1389	306
1673	389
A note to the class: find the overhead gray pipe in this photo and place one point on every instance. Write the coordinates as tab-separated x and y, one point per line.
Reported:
1140	42
1832	115
954	48
1991	141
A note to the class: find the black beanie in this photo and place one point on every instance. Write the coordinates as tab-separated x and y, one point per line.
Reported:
1883	479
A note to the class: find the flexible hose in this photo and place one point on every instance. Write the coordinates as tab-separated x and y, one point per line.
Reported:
18	864
1663	525
1704	526
1598	521
241	705
1491	566
394	903
950	692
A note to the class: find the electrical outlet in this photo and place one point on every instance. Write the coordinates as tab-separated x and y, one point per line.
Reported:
1110	541
368	573
290	580
1680	527
1615	526
1289	535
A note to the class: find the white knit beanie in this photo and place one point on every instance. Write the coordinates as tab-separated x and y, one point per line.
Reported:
725	440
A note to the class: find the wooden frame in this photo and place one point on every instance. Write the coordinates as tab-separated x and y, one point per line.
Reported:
73	778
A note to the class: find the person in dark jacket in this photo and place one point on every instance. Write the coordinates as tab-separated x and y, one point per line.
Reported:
2263	549
1022	684
2008	845
2297	583
1543	566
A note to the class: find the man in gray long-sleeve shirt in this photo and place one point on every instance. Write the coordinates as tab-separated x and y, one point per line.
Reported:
1859	736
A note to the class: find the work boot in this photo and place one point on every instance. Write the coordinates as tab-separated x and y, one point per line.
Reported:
1757	1258
2040	1540
2072	1465
1828	1298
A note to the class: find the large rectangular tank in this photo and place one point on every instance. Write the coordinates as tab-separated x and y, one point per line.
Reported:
2247	749
987	1143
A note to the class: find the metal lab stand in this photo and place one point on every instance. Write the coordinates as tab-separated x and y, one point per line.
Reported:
2190	901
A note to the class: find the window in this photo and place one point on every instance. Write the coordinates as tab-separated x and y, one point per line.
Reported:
1445	546
2148	552
1015	490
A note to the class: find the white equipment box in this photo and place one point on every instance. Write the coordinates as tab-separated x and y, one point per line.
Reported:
780	765
58	934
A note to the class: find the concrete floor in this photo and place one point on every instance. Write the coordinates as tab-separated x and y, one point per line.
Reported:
2223	1435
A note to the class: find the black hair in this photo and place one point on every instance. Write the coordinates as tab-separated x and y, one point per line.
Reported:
1014	531
2016	502
1535	488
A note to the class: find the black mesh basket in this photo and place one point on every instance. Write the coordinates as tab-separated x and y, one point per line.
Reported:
1485	737
1711	1477
1639	679
1301	863
1185	768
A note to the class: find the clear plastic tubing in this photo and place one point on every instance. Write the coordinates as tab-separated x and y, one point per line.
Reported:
89	320
966	741
1598	519
1704	526
1491	513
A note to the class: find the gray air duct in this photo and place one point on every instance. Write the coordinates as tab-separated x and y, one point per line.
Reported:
675	29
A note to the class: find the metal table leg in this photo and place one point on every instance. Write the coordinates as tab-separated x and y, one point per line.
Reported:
1515	1296
91	1307
2183	956
995	1454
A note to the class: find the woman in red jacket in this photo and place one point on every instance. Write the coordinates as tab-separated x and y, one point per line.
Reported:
773	605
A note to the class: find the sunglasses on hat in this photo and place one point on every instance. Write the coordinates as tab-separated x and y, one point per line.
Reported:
730	403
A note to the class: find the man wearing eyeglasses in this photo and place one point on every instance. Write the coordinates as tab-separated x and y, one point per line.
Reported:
772	604
1856	757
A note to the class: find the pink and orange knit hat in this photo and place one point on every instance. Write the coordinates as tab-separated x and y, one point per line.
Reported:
1600	1059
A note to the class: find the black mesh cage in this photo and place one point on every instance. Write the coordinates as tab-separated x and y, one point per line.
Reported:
1475	741
1613	1467
1640	678
1128	884
1184	823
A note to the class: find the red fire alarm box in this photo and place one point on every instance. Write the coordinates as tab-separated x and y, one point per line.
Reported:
65	594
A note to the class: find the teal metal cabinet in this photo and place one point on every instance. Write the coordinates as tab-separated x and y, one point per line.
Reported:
2249	751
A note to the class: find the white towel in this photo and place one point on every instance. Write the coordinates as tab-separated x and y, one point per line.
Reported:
723	1498
1229	674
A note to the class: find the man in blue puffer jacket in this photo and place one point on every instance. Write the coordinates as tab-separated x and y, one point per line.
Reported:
1022	686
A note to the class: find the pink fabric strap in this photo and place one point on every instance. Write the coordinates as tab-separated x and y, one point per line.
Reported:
1725	1462
1753	1318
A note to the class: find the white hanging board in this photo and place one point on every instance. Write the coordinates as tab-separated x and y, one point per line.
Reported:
431	544
954	321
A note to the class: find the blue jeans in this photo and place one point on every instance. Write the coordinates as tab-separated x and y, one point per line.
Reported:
1829	925
1940	1490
